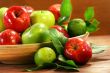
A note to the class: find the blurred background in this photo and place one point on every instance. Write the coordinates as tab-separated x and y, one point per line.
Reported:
102	10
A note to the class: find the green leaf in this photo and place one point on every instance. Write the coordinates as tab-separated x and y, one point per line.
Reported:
96	49
55	40
70	63
66	8
50	65
62	38
66	67
62	19
45	65
92	26
89	13
88	23
95	22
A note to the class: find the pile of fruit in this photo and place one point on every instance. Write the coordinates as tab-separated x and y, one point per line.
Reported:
24	25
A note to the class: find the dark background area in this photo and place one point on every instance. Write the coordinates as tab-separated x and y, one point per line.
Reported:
102	10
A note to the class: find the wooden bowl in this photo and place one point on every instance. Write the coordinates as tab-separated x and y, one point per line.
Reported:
19	54
23	53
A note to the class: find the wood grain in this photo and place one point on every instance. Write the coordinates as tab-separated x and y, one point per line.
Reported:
100	63
19	54
102	9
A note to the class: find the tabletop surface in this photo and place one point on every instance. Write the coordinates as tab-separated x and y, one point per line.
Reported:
100	63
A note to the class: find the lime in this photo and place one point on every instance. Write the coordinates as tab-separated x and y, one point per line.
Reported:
76	27
44	55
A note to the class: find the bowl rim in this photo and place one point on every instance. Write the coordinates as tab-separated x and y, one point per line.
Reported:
23	45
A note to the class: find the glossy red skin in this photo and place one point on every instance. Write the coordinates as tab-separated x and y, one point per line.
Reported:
61	29
81	54
55	9
29	9
16	18
9	37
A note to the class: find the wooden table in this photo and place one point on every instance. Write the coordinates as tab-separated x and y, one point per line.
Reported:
99	63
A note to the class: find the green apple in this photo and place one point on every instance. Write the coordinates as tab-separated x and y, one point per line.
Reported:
45	17
44	55
37	33
2	11
76	27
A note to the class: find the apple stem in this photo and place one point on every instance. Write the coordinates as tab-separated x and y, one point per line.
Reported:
17	14
74	46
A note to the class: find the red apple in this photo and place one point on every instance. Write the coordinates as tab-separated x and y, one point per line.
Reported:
29	9
9	37
16	18
55	9
78	50
61	29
